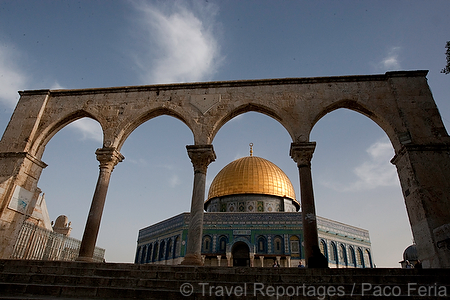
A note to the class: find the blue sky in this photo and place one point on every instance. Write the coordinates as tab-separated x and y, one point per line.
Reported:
86	44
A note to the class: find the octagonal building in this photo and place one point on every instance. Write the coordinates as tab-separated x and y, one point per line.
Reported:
253	219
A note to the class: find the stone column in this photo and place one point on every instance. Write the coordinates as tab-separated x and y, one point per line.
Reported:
302	154
288	261
108	158
278	260
201	156
219	257
252	259
229	259
261	258
424	172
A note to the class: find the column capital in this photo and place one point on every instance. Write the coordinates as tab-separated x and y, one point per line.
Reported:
302	153
201	156
108	157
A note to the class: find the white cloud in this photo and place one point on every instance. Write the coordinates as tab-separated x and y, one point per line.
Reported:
89	129
56	86
391	60
177	43
174	181
140	161
376	172
12	79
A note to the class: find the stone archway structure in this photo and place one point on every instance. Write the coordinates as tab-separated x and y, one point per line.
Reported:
401	103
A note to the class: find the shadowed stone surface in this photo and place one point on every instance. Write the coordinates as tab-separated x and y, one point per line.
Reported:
20	279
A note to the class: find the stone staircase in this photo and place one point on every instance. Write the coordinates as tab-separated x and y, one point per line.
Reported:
28	279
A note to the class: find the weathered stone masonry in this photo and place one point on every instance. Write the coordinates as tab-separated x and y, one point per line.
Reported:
401	103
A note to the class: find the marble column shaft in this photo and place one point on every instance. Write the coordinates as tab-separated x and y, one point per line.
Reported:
302	154
108	158
201	156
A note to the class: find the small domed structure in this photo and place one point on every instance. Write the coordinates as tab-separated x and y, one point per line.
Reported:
62	225
410	256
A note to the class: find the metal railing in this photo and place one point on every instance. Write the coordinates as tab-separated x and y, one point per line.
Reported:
38	243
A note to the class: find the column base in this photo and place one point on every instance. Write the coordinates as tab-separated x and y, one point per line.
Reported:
84	259
192	260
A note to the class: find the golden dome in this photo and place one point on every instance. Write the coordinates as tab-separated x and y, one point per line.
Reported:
251	175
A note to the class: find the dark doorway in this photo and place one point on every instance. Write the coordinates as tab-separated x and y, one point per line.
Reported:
241	255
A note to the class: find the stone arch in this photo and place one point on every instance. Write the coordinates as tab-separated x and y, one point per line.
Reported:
363	110
400	102
128	128
245	108
49	131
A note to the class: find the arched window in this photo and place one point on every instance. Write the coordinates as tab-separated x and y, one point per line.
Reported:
352	257
155	252
175	247
206	244
138	253
169	249
262	244
360	258
161	250
369	257
149	253
223	244
343	255
323	248
333	254
144	254
278	245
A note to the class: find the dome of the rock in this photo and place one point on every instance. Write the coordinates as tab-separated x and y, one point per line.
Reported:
252	178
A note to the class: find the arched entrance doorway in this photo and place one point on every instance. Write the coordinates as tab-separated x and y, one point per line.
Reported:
241	255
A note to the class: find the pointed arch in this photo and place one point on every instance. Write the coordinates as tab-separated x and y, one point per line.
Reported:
343	255
323	248
46	135
353	261
127	129
360	108
249	107
223	241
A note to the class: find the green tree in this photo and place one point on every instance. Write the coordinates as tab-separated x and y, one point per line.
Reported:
446	70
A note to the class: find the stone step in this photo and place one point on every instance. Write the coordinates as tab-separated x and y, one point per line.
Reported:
20	279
